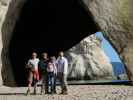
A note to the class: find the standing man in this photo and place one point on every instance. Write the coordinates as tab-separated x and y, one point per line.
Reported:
62	66
43	68
32	67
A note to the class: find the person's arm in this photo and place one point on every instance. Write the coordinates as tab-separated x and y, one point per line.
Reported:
56	63
55	69
29	65
40	65
48	66
65	66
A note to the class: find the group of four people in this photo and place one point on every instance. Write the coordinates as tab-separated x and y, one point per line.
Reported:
50	69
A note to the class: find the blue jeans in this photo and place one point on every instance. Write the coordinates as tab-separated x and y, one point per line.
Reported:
51	82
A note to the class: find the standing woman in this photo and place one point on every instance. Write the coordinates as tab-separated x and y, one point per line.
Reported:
32	67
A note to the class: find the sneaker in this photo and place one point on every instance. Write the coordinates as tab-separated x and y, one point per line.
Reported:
64	92
42	93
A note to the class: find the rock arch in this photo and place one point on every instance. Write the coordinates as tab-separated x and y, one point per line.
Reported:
111	17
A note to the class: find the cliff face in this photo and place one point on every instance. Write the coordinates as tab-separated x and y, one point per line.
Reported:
114	17
9	12
3	10
88	61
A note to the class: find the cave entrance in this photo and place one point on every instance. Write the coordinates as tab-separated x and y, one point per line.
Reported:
50	26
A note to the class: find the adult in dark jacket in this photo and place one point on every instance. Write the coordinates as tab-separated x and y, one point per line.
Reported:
42	66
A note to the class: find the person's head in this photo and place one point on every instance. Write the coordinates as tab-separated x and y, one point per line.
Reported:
34	55
52	58
44	55
61	53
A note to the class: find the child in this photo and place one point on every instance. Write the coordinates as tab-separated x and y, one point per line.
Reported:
52	72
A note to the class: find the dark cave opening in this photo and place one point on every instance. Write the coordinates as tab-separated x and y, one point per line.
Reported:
50	26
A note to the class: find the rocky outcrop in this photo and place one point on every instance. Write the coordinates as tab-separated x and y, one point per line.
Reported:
115	19
88	61
9	12
3	10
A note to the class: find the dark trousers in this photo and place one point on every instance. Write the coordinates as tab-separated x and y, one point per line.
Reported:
44	83
63	81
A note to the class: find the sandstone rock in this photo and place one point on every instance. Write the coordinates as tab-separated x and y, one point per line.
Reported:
9	12
3	11
88	61
115	19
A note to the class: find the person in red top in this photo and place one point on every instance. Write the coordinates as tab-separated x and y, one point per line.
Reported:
32	67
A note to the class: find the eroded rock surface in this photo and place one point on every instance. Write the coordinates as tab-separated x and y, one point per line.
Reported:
88	61
115	19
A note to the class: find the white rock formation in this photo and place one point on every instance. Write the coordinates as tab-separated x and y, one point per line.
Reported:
88	61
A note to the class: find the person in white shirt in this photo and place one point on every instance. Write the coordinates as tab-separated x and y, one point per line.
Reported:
32	67
62	66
